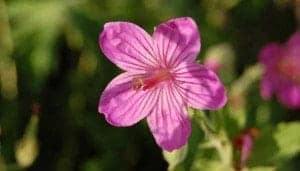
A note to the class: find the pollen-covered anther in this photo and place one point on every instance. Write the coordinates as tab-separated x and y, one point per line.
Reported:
150	80
137	83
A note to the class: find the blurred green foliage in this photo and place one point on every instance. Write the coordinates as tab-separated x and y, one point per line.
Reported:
51	68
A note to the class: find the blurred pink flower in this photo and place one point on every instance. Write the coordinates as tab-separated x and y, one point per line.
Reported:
282	71
161	79
244	143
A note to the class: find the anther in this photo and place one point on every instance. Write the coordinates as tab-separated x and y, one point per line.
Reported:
137	83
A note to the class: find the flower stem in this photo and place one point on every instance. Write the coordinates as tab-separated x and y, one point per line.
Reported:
217	140
251	74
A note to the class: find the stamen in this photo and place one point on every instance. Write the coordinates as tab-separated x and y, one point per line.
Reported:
137	83
150	80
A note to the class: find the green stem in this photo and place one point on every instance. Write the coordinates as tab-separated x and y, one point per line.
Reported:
204	123
251	74
217	140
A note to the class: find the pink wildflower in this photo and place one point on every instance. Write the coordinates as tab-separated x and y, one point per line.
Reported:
161	80
244	143
282	71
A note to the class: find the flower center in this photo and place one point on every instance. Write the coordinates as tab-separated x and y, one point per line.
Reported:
151	79
289	68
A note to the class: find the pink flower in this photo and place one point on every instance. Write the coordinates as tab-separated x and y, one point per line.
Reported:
282	71
161	80
244	143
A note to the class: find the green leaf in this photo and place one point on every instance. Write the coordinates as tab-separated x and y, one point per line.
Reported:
276	145
287	139
264	148
27	149
175	157
210	165
262	168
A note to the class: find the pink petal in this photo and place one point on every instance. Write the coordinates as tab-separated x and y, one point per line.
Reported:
269	54
123	106
294	39
200	87
127	45
177	40
291	50
168	121
246	148
289	95
267	86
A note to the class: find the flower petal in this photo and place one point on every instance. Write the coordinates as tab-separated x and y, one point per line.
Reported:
269	54
289	95
177	40
168	120
294	39
127	45
267	86
123	106
246	148
200	87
